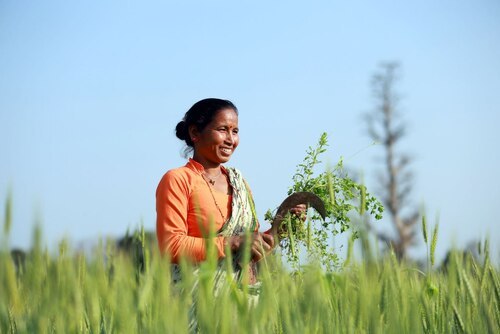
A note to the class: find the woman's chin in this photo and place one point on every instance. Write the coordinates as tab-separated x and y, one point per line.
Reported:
224	159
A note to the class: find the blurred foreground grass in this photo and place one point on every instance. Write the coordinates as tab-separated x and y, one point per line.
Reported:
115	291
107	293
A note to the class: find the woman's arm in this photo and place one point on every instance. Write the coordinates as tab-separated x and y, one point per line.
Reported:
172	202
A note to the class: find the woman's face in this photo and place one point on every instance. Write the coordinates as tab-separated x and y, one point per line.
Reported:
217	141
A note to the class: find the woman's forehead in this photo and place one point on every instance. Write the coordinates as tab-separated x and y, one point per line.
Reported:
225	116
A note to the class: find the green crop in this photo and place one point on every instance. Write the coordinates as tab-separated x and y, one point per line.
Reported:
74	293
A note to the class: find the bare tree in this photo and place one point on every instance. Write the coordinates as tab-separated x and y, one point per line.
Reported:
386	127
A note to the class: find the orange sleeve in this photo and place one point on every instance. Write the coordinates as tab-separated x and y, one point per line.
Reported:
172	204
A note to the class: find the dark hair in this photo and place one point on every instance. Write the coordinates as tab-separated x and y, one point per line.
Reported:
200	114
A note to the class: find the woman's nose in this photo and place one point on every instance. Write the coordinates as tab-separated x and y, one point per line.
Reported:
230	138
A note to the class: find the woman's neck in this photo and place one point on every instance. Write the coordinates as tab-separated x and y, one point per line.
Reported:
211	169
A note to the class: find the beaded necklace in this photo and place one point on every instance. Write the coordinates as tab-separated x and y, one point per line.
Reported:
212	180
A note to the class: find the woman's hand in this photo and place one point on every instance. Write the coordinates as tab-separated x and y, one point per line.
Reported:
260	244
300	211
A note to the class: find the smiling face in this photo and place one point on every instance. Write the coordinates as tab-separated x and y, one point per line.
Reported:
216	143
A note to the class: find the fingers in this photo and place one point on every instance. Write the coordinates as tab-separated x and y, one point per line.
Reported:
299	210
302	207
268	239
261	245
257	250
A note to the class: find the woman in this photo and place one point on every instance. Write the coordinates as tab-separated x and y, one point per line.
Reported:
204	195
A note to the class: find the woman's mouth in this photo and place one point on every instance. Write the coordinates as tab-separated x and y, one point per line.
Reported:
226	151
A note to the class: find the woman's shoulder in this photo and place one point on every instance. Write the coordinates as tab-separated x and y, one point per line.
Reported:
181	176
178	172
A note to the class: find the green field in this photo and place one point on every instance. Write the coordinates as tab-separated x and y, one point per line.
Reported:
107	293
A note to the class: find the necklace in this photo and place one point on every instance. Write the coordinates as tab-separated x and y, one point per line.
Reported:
212	180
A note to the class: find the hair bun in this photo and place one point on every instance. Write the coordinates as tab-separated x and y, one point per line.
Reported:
181	130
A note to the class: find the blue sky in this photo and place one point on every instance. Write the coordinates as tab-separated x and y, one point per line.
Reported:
90	93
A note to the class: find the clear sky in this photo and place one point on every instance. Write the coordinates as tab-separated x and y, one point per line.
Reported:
90	92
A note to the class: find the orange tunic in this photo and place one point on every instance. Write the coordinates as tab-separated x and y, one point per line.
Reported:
185	208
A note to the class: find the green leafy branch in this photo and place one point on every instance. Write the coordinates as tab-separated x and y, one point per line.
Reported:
341	195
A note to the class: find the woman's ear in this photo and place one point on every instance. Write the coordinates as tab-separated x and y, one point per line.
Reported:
193	133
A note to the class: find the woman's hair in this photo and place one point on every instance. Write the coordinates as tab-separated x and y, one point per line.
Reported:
200	114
